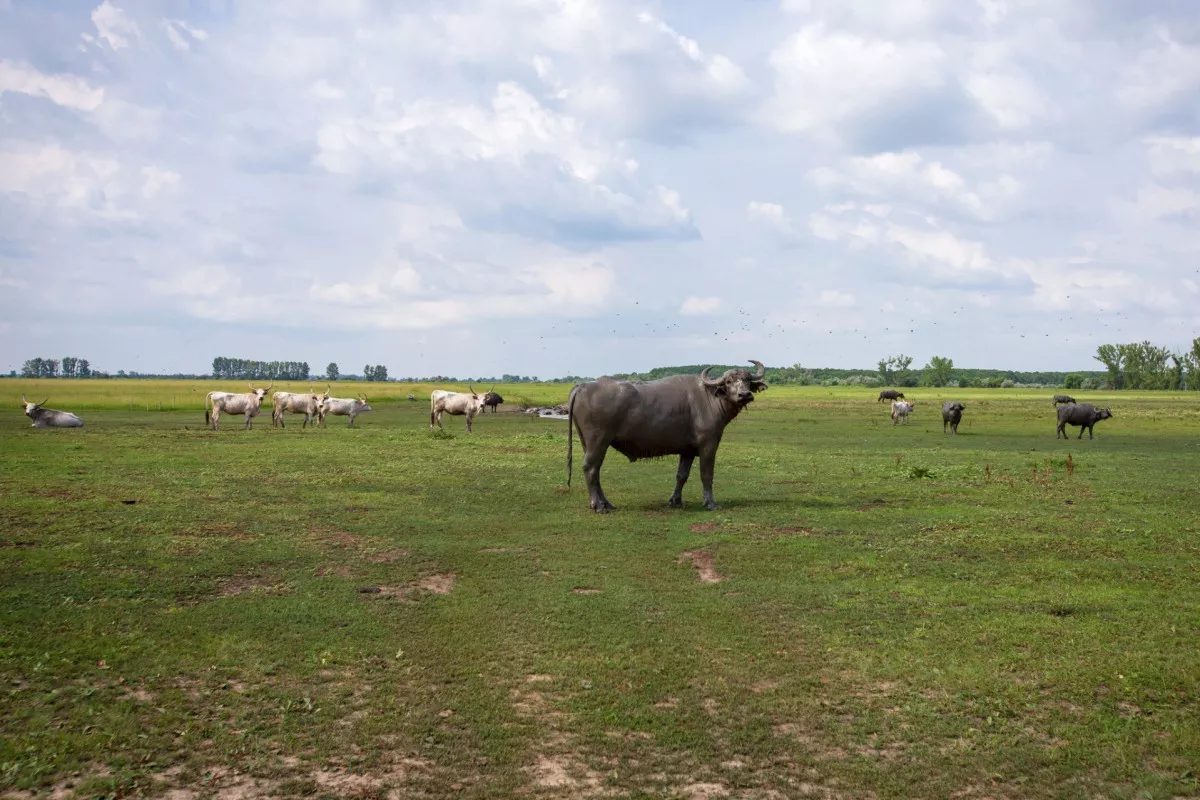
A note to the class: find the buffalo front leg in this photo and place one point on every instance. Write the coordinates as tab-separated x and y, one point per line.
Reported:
708	461
593	459
681	476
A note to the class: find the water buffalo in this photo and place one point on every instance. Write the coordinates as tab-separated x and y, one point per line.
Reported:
890	394
1063	398
682	415
1081	415
951	415
901	409
491	400
48	417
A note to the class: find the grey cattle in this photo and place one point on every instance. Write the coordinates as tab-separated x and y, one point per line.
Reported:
951	415
48	417
1081	415
890	394
491	400
247	403
900	410
456	404
1063	398
682	415
341	407
307	404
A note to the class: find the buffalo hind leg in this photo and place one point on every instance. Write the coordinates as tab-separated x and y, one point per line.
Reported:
681	476
593	459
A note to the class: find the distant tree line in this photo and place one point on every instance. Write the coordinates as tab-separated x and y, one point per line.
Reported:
1143	365
375	373
68	367
245	369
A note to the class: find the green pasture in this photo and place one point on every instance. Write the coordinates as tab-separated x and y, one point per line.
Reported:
876	611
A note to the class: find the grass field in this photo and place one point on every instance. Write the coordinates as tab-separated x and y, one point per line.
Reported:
877	611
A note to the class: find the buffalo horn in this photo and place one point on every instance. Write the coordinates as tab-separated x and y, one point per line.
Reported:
762	371
710	381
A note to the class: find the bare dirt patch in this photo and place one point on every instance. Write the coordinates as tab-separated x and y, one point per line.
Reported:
341	571
438	584
504	549
240	584
412	591
586	590
387	556
703	527
702	562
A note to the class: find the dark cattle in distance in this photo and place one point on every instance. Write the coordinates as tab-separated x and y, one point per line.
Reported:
1082	416
1063	398
952	415
890	394
682	415
491	400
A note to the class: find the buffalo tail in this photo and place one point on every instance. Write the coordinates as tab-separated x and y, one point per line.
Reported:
570	431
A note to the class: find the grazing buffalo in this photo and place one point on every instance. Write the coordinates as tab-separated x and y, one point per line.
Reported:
890	394
682	415
341	407
1081	415
491	400
900	410
1063	398
951	415
48	417
456	404
306	404
247	403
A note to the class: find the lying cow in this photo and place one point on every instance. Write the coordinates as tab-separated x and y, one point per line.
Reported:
951	415
682	415
900	410
341	407
456	404
306	404
491	400
1063	398
890	394
48	417
247	403
1081	415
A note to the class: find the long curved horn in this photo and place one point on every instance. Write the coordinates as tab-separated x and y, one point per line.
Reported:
272	386
23	400
762	371
493	387
251	385
710	381
47	400
471	387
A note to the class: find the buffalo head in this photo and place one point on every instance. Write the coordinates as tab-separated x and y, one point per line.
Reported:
737	385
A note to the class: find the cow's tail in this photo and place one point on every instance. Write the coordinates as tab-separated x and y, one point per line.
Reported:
207	401
570	431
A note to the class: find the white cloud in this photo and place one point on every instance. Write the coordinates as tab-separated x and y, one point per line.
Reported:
1163	201
700	306
68	91
832	298
113	25
1172	154
158	180
176	30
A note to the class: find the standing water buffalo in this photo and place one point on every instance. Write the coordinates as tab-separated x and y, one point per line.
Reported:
1082	416
491	400
901	409
682	415
1063	398
247	403
455	404
890	394
48	417
341	407
951	415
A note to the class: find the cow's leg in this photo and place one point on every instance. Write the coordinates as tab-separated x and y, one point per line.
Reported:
708	460
249	419
216	417
681	476
352	422
593	459
470	416
1061	430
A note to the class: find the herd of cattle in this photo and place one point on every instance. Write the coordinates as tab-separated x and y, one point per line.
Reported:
683	415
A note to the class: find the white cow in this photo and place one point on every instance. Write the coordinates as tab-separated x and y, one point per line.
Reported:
48	417
307	404
341	407
901	409
456	404
248	403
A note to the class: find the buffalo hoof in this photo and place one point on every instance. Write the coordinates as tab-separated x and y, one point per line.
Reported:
712	506
675	502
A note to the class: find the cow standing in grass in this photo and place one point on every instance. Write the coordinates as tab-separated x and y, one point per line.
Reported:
890	394
341	407
456	404
288	402
248	403
491	400
1081	415
1063	398
682	415
900	410
48	417
952	415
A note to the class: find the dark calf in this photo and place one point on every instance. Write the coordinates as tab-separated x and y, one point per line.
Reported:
890	394
1063	398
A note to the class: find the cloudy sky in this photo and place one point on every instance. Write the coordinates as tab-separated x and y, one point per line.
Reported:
551	187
